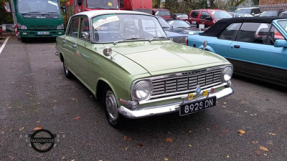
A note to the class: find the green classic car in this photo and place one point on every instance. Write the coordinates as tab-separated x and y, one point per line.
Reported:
125	59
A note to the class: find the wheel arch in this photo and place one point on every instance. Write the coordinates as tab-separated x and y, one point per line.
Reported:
100	87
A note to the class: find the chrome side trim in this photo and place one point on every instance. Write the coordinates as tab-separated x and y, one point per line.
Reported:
168	108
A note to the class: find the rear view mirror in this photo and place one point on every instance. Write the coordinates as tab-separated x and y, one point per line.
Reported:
280	43
86	36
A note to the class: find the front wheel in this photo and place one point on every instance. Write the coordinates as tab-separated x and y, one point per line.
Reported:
68	74
115	119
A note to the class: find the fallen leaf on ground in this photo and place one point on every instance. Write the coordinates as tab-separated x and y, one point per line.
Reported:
190	131
224	103
272	134
126	148
241	132
55	100
127	138
227	156
22	129
265	154
190	145
224	106
264	148
255	142
77	118
257	152
169	140
37	128
166	159
63	157
267	99
140	145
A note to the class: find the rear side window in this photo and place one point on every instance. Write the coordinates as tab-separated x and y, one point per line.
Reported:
256	11
194	14
230	32
204	15
254	33
84	26
74	27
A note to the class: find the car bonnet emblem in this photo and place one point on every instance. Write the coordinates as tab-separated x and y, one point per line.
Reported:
198	90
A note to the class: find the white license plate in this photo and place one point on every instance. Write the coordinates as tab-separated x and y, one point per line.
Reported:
43	33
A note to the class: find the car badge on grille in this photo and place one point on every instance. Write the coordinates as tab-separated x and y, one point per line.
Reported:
198	90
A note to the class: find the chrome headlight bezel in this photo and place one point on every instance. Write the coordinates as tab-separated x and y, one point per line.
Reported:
139	84
227	73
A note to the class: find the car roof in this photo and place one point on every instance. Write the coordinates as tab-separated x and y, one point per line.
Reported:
208	10
248	8
220	26
95	13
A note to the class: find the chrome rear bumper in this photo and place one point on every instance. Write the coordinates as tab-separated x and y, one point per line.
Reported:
168	108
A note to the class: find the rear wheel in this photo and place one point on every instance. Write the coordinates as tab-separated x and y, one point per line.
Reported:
68	74
115	119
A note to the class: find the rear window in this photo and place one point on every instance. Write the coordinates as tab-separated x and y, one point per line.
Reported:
162	13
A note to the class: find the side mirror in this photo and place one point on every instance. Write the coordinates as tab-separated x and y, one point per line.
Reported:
79	2
208	18
86	36
280	43
64	9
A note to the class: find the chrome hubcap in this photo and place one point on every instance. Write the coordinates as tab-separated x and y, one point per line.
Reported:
111	105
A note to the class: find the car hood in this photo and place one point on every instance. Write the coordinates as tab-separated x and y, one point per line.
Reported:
168	57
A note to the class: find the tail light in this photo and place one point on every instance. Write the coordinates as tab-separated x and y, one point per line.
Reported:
186	42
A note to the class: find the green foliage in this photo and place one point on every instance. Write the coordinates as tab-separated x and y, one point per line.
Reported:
5	18
185	6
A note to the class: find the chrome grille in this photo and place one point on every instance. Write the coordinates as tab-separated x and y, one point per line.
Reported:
172	86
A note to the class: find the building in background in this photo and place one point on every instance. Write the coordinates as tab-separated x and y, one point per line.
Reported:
269	2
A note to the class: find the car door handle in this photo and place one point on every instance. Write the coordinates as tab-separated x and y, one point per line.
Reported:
74	46
237	46
63	41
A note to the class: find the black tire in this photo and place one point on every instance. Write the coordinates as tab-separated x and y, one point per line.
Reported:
67	72
24	39
115	119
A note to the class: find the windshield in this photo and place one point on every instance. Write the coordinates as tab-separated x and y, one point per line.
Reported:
38	6
269	14
220	14
121	27
178	24
107	4
162	13
163	23
283	24
243	11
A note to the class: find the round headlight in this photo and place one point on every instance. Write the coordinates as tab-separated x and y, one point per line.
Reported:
141	90
227	74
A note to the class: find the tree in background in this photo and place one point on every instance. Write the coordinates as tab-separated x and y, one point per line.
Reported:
5	18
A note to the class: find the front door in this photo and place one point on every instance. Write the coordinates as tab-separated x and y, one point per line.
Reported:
252	53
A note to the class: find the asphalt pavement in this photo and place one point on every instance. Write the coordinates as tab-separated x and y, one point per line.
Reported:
34	92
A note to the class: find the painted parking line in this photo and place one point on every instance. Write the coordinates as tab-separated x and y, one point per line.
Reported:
5	42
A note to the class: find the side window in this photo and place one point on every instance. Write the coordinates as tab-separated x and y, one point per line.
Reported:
74	27
273	36
204	15
84	26
194	14
254	33
230	32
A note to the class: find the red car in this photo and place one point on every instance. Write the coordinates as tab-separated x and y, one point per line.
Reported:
164	13
207	17
0	31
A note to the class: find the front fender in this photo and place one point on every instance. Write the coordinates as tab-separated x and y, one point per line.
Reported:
209	48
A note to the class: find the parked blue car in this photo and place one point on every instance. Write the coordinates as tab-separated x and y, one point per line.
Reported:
256	46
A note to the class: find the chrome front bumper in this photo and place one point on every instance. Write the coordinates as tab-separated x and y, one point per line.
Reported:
168	108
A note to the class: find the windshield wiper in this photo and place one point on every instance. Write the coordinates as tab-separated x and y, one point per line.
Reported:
159	38
129	39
